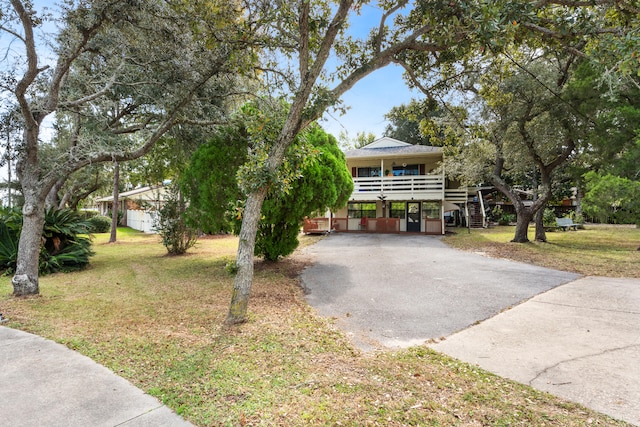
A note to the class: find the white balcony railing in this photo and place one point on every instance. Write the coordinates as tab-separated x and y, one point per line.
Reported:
456	194
399	187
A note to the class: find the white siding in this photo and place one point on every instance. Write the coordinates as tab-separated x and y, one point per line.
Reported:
142	220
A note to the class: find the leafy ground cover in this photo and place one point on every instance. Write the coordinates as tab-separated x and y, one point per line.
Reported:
156	320
596	250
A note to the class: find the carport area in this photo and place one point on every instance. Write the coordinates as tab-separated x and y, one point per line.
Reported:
580	341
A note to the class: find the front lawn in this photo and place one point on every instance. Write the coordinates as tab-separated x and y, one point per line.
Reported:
156	320
598	250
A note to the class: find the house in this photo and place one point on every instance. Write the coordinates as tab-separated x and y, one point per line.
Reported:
139	206
398	188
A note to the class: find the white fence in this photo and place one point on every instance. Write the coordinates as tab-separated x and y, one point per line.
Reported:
142	220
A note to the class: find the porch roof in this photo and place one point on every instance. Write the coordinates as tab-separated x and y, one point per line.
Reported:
141	192
389	147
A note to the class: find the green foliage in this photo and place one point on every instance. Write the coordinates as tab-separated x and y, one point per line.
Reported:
99	224
501	217
9	235
612	199
612	144
313	177
64	247
549	218
177	235
425	123
210	183
88	213
577	218
323	183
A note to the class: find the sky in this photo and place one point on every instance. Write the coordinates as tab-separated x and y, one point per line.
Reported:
368	101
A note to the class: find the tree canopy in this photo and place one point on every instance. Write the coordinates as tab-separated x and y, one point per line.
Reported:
124	73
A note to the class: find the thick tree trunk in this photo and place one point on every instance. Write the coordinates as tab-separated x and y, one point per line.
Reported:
244	260
114	208
541	235
25	280
524	217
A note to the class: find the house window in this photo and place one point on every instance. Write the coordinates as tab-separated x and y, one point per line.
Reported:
361	210
406	170
397	210
368	172
431	210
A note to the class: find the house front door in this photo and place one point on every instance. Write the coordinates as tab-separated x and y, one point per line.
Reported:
413	217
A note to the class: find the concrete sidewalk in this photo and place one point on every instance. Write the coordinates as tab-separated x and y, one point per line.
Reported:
43	383
579	341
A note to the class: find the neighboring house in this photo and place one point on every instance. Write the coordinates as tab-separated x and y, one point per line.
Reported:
139	207
399	187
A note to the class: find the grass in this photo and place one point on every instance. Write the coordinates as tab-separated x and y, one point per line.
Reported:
598	250
156	320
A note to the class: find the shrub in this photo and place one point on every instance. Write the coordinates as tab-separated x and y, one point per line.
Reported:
549	218
99	224
577	219
501	217
176	235
496	213
8	247
63	248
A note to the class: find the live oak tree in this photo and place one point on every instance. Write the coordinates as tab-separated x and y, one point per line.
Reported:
124	68
533	122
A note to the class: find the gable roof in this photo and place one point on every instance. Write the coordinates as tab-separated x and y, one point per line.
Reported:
389	147
386	142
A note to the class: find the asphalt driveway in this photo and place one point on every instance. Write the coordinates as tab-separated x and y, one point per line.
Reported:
577	338
398	290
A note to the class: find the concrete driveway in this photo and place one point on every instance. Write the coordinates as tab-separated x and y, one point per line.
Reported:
580	341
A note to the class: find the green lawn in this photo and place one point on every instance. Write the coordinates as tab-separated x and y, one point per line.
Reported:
598	250
157	321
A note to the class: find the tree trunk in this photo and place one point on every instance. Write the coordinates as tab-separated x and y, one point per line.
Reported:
114	206
244	260
8	158
67	196
524	217
541	235
579	195
52	200
25	280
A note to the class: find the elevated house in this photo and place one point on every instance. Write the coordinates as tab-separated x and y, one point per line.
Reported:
398	188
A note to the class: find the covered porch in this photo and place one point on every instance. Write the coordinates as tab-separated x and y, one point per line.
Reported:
382	216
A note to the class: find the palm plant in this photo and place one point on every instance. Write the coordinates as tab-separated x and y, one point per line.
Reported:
65	243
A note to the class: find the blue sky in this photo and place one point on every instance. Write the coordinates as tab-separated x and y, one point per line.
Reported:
371	98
